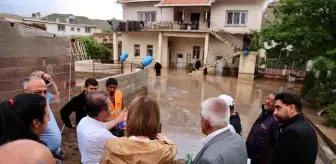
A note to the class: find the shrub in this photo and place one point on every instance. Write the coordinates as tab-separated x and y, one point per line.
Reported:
331	115
94	49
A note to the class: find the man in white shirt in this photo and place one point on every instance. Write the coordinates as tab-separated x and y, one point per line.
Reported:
92	131
220	144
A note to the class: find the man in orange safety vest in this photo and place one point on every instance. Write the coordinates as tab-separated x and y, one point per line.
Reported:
116	104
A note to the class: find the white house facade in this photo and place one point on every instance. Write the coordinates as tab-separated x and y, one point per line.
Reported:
179	32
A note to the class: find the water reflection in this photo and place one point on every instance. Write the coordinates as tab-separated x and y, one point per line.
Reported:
180	95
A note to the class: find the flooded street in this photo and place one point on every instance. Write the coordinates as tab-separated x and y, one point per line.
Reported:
179	96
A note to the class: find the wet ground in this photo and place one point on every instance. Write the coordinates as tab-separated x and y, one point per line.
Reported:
179	96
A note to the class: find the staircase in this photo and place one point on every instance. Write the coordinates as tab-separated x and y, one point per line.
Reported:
228	38
212	64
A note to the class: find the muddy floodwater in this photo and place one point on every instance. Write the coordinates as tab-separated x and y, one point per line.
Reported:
179	96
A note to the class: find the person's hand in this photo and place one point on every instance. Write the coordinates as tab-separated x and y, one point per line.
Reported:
162	137
122	116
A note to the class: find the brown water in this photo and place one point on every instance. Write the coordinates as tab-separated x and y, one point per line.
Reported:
179	96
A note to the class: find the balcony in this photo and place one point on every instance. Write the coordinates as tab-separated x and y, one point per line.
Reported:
180	26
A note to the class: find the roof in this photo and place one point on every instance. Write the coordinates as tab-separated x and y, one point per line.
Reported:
103	34
134	1
185	3
61	23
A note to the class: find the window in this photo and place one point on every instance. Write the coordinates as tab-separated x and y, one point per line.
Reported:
149	50
72	28
78	29
111	40
136	50
61	27
104	40
87	30
147	16
236	18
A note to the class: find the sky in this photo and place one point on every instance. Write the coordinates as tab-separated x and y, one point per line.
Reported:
94	9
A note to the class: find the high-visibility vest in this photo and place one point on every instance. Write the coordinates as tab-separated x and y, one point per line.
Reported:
116	108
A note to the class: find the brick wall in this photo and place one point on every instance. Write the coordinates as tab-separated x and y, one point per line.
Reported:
23	50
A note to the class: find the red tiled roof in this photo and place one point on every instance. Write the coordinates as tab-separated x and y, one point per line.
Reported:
184	2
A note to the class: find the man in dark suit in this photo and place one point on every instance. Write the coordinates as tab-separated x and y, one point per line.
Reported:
297	141
220	144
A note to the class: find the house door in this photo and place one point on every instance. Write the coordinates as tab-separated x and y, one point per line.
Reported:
179	62
219	66
195	18
196	53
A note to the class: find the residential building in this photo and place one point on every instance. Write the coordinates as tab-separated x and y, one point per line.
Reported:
107	40
59	28
179	32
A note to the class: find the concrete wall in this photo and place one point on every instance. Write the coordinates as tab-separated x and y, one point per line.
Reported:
254	16
143	39
130	11
24	50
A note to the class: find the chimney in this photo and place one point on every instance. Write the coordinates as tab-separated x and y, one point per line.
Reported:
38	15
57	20
67	20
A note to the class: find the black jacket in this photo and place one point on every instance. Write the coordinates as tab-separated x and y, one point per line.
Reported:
76	104
297	142
236	123
157	66
261	139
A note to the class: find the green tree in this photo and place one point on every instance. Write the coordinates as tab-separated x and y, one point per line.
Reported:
94	49
310	27
307	25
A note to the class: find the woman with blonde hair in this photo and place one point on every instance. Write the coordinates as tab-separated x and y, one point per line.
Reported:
143	143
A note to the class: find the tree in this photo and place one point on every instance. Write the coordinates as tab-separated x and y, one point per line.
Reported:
307	25
94	49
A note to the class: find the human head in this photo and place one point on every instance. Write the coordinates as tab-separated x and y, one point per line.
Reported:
214	115
96	105
270	101
229	101
25	116
143	117
90	85
25	151
35	84
111	85
287	105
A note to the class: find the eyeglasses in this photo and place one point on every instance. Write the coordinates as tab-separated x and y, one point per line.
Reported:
40	92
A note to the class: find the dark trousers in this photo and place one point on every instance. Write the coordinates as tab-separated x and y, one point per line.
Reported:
158	72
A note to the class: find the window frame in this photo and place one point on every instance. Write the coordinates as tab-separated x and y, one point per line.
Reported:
137	47
59	27
241	12
72	28
142	16
87	29
150	47
78	29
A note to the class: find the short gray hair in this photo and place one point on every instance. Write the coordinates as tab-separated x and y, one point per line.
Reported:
216	112
28	79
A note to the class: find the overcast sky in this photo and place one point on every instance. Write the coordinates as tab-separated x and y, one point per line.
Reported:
94	9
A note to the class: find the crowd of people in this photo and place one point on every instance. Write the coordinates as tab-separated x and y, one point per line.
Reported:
108	133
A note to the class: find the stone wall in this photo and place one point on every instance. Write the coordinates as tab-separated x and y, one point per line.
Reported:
24	49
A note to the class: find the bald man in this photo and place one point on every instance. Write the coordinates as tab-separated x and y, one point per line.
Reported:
27	152
36	83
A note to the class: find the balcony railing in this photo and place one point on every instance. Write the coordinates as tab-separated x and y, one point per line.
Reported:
163	26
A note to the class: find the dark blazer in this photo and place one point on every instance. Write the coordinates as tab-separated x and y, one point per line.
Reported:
262	137
297	142
226	147
76	104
